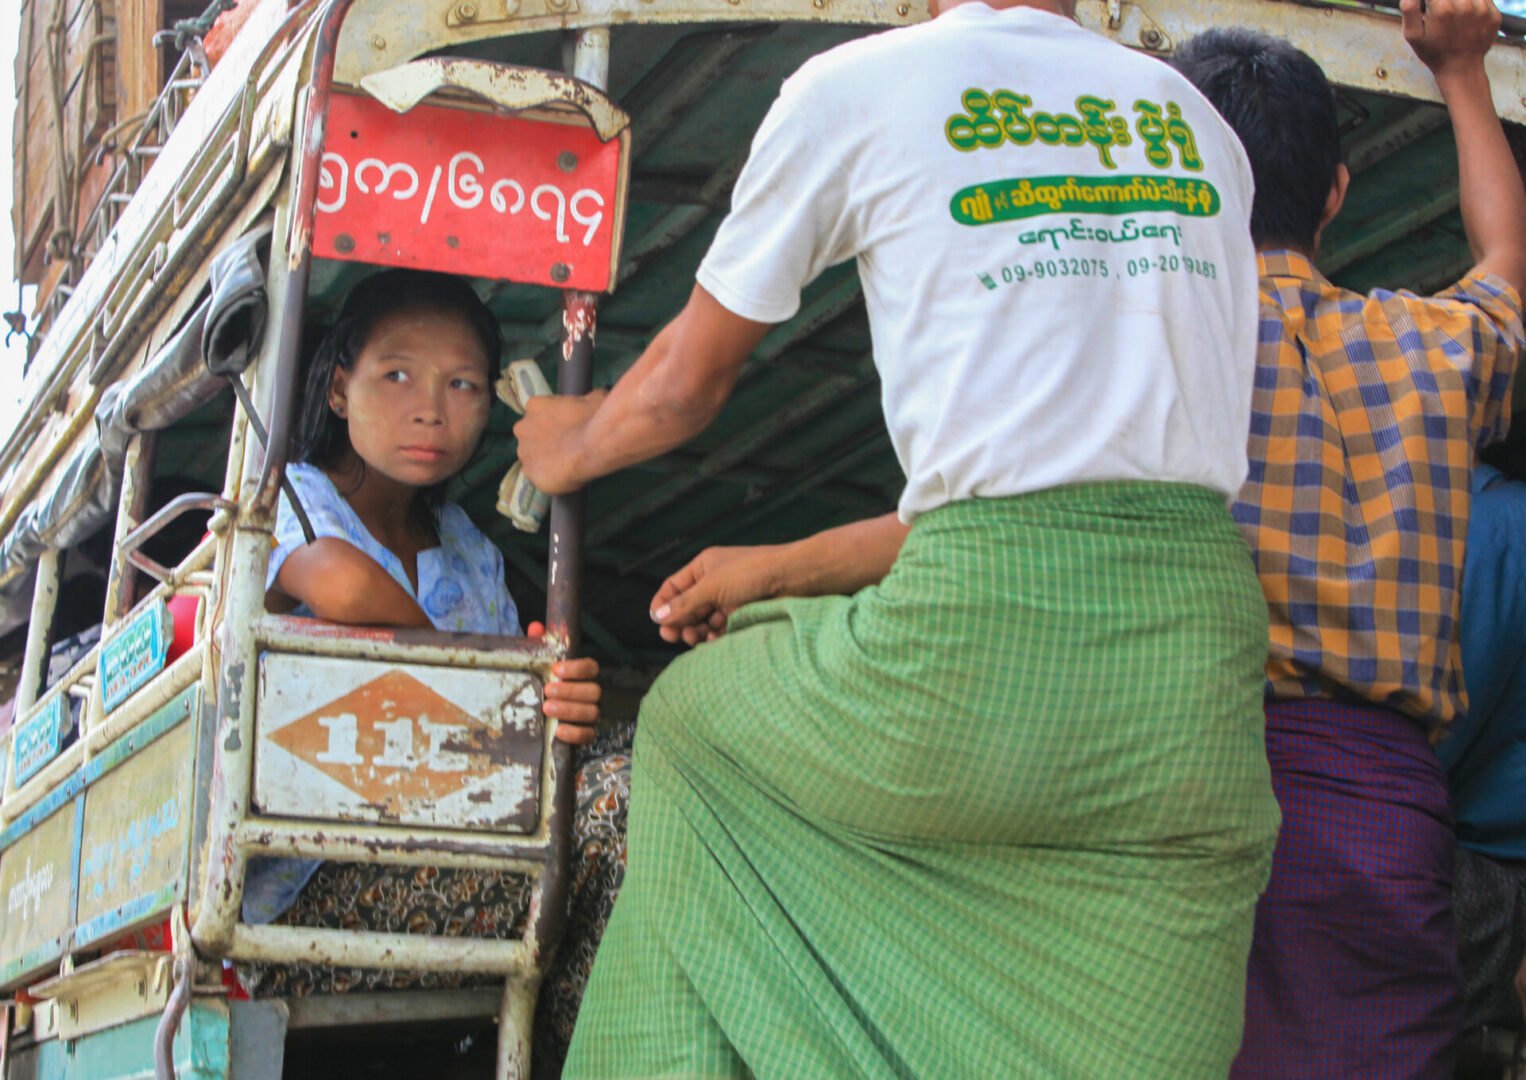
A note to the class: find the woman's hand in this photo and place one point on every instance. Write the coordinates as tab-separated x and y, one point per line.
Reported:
551	439
693	605
572	696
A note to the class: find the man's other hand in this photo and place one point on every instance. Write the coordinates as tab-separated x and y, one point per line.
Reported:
693	605
1450	36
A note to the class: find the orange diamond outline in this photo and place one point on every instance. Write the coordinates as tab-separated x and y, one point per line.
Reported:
390	697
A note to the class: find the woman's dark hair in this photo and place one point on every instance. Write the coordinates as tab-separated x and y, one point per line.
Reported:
322	437
1280	104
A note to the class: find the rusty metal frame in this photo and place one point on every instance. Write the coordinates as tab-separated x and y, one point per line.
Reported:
39	629
225	571
299	242
381	35
1359	47
97	728
237	834
233	831
137	483
513	87
130	541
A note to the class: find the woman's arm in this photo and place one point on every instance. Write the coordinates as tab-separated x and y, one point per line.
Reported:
694	604
342	584
670	395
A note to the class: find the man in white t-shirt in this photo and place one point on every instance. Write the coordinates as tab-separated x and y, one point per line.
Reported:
1092	211
1028	760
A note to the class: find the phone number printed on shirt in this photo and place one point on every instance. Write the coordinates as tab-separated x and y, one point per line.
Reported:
1173	264
1047	269
1020	273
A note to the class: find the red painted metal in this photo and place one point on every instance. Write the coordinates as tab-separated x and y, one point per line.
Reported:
468	192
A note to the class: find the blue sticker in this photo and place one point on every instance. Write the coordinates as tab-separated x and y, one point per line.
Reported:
39	740
135	655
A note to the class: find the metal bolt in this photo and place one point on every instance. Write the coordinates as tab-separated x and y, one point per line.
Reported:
378	42
819	3
344	243
560	272
466	11
1382	72
567	161
903	9
1151	38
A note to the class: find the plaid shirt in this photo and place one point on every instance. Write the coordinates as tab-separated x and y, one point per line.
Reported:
1366	415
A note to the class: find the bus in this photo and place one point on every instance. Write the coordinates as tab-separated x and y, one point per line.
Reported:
572	158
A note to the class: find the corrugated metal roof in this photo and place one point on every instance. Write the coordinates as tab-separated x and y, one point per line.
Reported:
802	444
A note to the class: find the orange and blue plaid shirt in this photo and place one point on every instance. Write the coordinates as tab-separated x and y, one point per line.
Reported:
1366	415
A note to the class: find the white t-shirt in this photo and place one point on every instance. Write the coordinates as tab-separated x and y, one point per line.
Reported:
1053	237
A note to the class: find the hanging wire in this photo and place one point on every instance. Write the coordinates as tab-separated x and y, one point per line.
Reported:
16	320
184	31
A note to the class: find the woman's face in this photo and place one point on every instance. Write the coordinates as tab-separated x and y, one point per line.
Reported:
417	398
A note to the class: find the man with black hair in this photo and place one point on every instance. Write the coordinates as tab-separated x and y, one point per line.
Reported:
1366	417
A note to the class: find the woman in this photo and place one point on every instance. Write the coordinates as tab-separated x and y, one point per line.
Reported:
397	400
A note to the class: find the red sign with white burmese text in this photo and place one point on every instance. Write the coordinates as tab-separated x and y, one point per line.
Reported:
469	192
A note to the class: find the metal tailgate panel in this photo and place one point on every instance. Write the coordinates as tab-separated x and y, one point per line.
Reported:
403	744
37	883
133	850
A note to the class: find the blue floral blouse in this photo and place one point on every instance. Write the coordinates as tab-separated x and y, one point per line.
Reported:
460	588
460	582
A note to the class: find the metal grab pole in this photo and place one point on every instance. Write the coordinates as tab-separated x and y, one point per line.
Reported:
564	602
564	578
565	569
34	662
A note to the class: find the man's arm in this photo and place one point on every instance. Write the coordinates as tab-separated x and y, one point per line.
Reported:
342	584
670	395
1451	37
841	561
694	604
